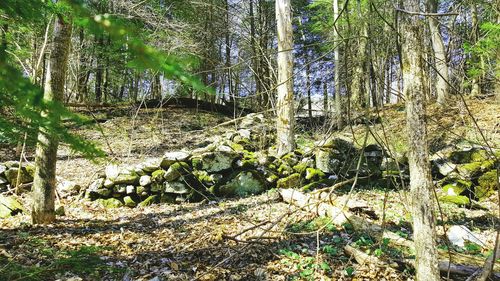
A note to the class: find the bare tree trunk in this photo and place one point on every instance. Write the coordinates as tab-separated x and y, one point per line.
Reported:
336	78
285	109
442	88
44	182
421	185
476	87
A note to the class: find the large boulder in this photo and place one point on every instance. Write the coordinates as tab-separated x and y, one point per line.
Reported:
9	207
244	184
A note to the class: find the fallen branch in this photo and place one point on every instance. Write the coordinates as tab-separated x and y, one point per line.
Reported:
341	217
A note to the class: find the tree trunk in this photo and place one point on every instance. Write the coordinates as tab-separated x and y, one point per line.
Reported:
285	108
476	87
439	49
44	182
336	78
99	74
421	185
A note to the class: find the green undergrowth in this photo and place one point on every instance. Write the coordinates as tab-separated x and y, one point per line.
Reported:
37	260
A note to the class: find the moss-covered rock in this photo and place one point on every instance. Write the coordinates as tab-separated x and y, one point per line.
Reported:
328	160
474	169
176	187
148	201
176	170
129	201
9	207
11	176
218	161
489	179
300	167
110	203
454	187
455	199
318	184
468	155
170	158
292	181
487	185
314	174
128	178
158	176
244	184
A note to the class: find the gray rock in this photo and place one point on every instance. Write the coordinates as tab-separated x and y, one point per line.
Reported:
130	189
172	157
121	189
218	161
244	133
155	187
175	171
102	192
458	234
98	183
327	160
68	187
444	167
145	180
176	187
2	169
3	181
9	207
108	183
141	190
112	171
150	165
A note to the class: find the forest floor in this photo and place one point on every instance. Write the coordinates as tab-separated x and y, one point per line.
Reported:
254	238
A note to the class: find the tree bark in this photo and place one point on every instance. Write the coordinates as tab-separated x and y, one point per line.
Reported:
336	78
44	182
285	108
439	49
421	185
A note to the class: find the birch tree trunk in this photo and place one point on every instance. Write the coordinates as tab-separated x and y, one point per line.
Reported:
44	182
336	78
285	109
442	88
421	185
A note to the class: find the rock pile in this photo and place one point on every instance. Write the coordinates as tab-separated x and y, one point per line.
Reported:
465	173
240	162
9	172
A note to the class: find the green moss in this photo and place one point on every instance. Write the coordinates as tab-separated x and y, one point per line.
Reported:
317	184
237	147
284	170
148	201
487	184
272	178
176	170
312	173
474	169
489	179
292	181
458	199
203	177
158	175
110	203
456	186
129	202
290	159
197	163
300	168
